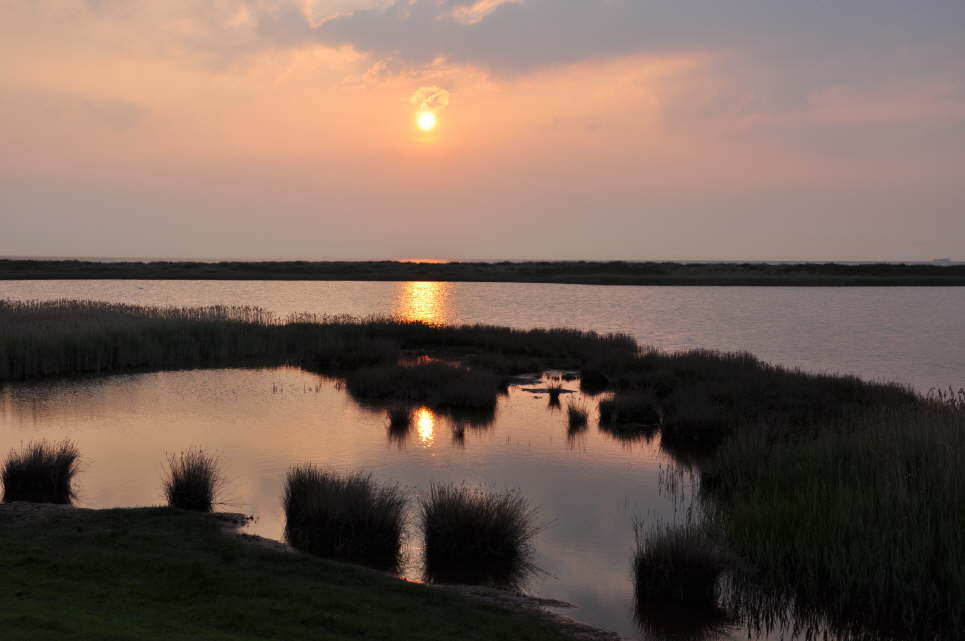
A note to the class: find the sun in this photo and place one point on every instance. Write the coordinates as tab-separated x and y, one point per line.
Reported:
426	121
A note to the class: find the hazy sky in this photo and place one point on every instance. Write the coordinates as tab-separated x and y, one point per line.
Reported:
631	129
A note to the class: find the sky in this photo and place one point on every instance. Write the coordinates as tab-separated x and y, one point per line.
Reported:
566	129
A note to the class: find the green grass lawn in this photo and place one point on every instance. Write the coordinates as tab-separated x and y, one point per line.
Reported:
155	573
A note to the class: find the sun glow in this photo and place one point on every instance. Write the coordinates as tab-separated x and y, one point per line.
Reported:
426	121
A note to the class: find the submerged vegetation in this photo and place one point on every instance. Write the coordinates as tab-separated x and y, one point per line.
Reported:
41	472
477	536
193	481
839	498
346	517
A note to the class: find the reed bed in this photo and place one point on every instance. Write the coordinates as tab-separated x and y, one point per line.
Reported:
40	472
193	481
344	516
471	532
861	520
67	337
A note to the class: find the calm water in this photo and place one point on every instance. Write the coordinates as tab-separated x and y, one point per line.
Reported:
913	334
588	486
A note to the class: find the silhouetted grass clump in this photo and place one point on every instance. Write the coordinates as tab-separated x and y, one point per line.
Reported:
40	472
639	408
346	517
438	385
476	536
193	481
678	565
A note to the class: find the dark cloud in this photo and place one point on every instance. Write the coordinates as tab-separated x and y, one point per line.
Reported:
516	37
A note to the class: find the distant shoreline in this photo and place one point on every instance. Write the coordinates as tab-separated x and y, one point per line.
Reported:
562	272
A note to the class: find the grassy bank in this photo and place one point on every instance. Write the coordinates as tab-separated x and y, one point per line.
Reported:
159	574
575	272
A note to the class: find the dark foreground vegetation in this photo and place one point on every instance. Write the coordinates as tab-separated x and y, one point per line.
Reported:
865	515
575	272
158	574
345	517
835	498
40	472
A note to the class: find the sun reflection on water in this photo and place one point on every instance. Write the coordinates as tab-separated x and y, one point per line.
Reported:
423	301
425	422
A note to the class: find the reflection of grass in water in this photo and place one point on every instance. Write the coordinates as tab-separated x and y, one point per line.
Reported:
664	621
554	391
344	516
472	535
41	472
577	415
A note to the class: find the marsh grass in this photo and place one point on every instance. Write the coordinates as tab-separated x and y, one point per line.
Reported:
472	535
435	384
40	472
630	409
344	516
193	481
783	494
678	565
860	520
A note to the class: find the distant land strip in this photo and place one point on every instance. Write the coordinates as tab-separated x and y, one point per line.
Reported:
562	272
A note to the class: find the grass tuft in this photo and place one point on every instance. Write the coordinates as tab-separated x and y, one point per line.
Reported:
476	536
346	517
40	472
193	481
678	565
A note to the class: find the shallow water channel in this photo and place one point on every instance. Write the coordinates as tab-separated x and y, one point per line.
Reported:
588	486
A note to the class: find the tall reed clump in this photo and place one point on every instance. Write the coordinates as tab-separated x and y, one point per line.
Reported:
678	565
859	520
344	516
41	472
477	535
193	481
